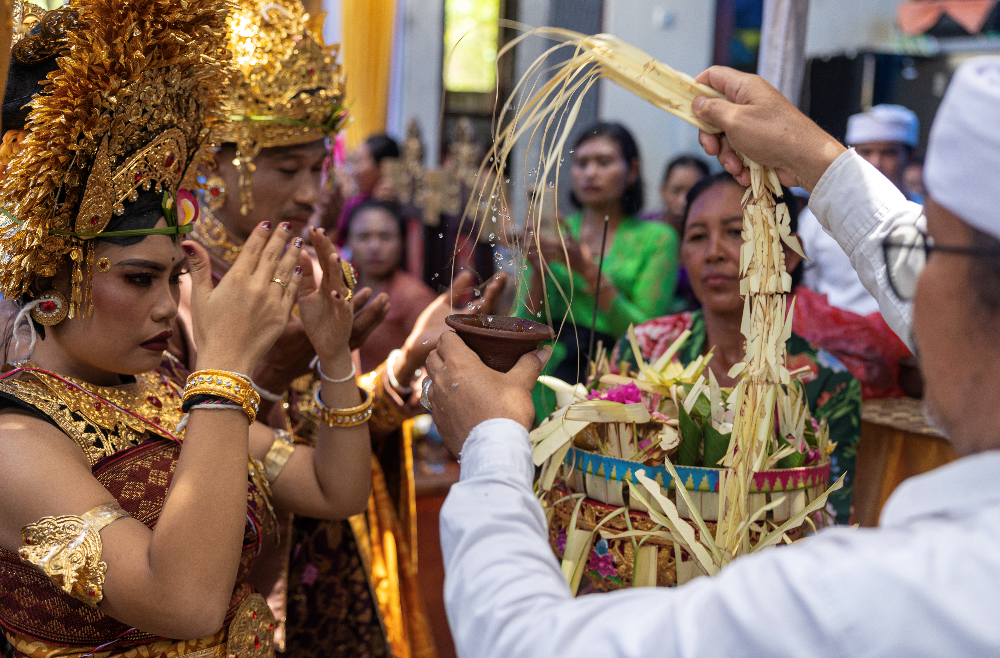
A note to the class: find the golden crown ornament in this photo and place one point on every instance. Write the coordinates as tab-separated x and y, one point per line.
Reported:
103	128
287	88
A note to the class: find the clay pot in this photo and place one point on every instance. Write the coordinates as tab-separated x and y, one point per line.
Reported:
499	340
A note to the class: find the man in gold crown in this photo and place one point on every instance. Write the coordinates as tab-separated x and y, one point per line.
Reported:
337	588
134	502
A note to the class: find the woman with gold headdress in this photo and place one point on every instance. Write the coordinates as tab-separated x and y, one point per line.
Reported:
132	507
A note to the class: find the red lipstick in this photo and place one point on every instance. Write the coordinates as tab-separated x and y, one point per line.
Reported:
158	343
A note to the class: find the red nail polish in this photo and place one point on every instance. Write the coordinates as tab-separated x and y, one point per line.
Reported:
298	270
286	226
336	295
267	226
188	249
298	242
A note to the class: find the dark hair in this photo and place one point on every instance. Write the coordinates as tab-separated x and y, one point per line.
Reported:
381	147
634	196
390	208
685	161
723	178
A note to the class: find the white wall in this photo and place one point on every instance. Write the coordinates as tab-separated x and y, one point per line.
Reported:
685	45
844	26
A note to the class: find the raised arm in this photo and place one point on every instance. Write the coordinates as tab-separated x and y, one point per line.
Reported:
855	203
175	580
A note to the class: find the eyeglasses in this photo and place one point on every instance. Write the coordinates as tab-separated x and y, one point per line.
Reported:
906	249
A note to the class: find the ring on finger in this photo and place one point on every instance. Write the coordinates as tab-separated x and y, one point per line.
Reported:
280	282
424	392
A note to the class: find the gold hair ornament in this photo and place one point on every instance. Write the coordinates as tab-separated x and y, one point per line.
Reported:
67	549
52	308
102	128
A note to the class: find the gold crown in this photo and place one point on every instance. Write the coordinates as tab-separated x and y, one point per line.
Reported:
287	89
105	127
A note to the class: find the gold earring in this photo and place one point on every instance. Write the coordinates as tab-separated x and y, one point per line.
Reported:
216	188
103	264
51	309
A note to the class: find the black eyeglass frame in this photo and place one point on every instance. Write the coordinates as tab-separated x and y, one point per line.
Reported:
927	245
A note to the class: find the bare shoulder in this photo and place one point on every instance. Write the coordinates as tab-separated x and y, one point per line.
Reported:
42	473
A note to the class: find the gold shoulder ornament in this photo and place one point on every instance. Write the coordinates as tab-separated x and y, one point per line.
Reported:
67	549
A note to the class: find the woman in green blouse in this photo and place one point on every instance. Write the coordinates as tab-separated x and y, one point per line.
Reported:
640	258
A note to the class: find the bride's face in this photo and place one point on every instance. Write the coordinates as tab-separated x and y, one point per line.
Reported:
135	302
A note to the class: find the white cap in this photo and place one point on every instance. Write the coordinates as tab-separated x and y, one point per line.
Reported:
962	168
884	123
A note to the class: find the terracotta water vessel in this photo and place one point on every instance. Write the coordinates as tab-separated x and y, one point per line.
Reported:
499	340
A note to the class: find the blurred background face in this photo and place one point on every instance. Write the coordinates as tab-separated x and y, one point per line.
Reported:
286	183
890	158
711	248
913	179
600	173
366	170
674	191
375	242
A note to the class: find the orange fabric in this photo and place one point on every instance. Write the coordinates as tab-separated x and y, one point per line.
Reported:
918	16
367	60
394	573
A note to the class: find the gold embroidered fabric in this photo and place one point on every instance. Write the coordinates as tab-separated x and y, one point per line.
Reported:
97	418
67	549
287	88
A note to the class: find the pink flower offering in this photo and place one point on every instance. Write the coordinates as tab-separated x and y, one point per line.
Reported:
625	394
187	207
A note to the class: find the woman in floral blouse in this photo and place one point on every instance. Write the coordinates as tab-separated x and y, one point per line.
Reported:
710	251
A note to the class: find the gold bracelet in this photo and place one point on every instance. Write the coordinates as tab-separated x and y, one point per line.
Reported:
278	456
228	385
350	417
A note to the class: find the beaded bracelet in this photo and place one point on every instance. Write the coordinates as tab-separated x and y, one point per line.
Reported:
229	385
349	417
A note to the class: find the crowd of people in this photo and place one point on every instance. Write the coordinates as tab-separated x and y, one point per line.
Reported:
261	343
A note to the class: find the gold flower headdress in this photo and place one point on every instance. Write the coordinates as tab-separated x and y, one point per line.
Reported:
287	87
129	108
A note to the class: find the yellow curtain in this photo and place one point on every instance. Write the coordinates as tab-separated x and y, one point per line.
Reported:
367	26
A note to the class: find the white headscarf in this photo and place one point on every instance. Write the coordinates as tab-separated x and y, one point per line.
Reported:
884	123
962	168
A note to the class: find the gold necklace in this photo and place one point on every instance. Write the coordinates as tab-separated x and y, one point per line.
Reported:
214	236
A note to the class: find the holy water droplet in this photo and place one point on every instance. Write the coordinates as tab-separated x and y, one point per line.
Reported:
507	181
491	236
539	314
425	342
551	185
454	385
435	276
471	306
489	318
440	235
571	150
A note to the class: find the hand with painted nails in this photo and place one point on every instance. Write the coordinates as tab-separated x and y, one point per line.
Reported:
236	322
326	313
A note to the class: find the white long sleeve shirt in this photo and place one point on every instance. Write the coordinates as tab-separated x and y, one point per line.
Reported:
925	583
829	271
859	206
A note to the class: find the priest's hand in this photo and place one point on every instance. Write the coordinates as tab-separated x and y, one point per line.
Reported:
466	392
756	119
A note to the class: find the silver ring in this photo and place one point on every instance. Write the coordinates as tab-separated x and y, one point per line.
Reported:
425	389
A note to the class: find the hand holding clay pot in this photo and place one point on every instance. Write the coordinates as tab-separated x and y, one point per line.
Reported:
466	392
498	340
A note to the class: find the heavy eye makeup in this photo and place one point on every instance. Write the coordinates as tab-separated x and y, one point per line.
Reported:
142	274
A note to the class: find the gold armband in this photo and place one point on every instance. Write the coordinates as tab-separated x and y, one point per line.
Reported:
349	417
224	384
279	454
67	549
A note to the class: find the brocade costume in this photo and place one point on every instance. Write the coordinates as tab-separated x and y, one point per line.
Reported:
126	433
347	588
108	109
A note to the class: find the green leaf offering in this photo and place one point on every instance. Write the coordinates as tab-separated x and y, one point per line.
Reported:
691	435
716	445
